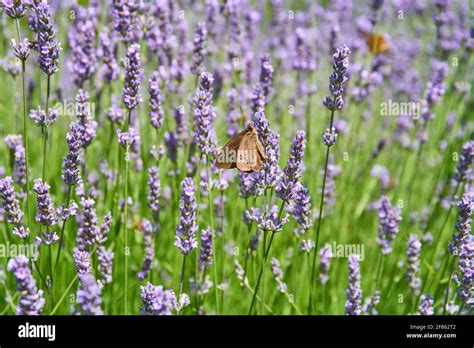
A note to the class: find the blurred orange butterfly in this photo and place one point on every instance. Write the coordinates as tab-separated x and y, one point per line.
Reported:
376	43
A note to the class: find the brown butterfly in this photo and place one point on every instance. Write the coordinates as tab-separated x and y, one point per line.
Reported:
376	43
243	151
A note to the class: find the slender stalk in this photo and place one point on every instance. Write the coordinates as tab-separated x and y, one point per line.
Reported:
45	129
321	204
25	127
68	198
181	280
451	271
125	222
211	221
264	261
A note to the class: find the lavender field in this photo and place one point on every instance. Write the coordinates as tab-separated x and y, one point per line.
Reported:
113	201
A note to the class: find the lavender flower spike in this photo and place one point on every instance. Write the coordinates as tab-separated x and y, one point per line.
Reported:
389	218
70	174
205	254
154	189
186	230
204	115
463	224
278	274
426	305
31	299
200	50
337	79
89	296
46	213
326	254
157	113
156	301
131	89
46	43
413	255
14	8
286	188
11	207
147	230
354	292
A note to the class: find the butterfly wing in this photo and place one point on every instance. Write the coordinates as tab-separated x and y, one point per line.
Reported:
377	43
224	157
251	153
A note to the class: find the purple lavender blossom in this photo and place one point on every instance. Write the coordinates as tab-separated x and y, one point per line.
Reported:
147	229
302	209
171	143
71	172
15	9
325	254
371	303
11	207
156	300
46	43
39	116
413	263
338	78
129	140
246	184
278	275
89	295
307	245
124	15
21	49
157	113
266	76
463	224
154	189
354	292
131	89
46	213
31	299
204	115
186	230
426	305
303	59
109	71
389	218
286	188
200	50
84	118
82	37
115	114
65	213
106	259
82	260
15	144
465	167
271	221
205	253
181	126
89	232
330	136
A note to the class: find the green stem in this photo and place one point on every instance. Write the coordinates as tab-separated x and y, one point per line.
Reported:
321	204
45	128
449	284
68	197
213	235
181	280
264	261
